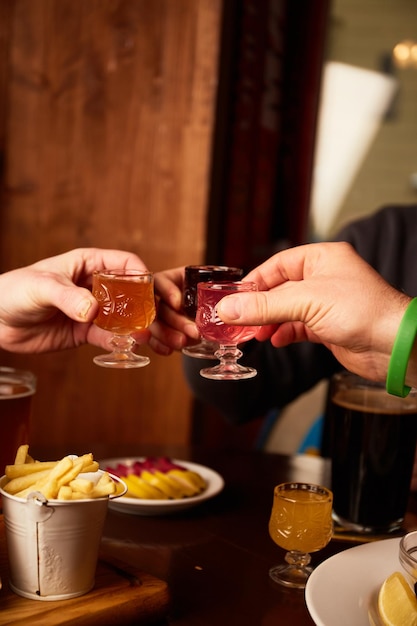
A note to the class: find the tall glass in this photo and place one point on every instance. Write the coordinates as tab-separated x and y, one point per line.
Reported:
373	441
228	336
17	388
301	523
126	305
193	275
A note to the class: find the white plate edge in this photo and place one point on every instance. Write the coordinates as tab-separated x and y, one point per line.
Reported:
373	587
215	486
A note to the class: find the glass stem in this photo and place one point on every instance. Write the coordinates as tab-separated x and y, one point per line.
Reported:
122	343
297	559
228	355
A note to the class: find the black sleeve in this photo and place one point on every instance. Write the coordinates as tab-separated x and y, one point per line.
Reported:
283	373
387	240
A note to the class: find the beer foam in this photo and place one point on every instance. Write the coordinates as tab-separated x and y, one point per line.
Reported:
15	390
374	400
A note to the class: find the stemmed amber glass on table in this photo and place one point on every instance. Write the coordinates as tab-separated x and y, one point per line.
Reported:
301	523
228	336
194	274
126	305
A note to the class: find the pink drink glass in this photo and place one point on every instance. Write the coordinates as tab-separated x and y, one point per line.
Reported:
228	336
193	275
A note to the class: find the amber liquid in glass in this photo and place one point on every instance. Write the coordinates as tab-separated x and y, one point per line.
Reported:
301	520
126	305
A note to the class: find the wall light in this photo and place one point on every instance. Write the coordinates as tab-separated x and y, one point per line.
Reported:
405	54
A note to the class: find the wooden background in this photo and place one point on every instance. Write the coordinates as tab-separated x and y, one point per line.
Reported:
106	123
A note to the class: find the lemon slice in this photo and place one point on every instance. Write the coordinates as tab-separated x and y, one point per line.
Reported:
397	604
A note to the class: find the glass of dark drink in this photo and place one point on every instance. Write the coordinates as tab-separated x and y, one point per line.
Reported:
193	275
373	439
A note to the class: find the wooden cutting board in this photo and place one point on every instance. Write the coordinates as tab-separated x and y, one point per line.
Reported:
122	595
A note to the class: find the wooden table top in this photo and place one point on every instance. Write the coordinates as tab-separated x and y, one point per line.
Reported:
215	557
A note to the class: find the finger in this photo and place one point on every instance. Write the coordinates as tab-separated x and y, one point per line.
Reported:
168	286
251	308
290	332
76	302
167	316
163	335
80	263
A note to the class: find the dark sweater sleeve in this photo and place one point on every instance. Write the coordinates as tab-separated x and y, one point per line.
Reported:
283	374
387	240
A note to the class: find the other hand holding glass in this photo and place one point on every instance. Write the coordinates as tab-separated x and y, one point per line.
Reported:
126	305
228	336
300	522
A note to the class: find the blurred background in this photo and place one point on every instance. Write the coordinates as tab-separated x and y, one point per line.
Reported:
190	131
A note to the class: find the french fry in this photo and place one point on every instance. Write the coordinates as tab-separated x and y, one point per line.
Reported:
13	471
65	493
92	467
23	482
21	454
70	478
82	484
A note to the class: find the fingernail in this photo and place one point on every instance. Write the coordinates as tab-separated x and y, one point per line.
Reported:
84	308
230	307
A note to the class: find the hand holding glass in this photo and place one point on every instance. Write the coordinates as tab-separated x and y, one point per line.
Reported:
300	522
126	305
211	327
194	274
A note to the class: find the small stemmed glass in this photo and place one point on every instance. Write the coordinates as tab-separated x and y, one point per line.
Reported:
194	274
228	336
301	523
126	305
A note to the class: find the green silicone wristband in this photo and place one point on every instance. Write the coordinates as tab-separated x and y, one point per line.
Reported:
401	351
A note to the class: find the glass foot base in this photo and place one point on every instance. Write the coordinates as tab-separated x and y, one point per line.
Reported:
290	576
203	350
121	361
229	372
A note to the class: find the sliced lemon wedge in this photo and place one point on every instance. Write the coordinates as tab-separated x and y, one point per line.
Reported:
397	604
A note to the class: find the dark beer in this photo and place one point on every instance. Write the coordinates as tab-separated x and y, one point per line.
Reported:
373	439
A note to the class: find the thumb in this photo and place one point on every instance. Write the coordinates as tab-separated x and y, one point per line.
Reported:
249	308
77	303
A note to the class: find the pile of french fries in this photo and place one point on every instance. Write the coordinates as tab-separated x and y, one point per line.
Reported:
71	478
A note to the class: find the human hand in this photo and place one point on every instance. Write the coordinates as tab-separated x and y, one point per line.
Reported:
49	306
171	330
323	293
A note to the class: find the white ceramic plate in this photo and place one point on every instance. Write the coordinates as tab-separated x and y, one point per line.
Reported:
343	589
137	506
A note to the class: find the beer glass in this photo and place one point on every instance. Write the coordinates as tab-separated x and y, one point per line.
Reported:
372	444
17	388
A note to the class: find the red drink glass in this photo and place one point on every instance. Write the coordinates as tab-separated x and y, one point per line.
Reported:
193	275
228	336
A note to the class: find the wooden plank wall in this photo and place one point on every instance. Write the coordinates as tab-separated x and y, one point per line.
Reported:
106	121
